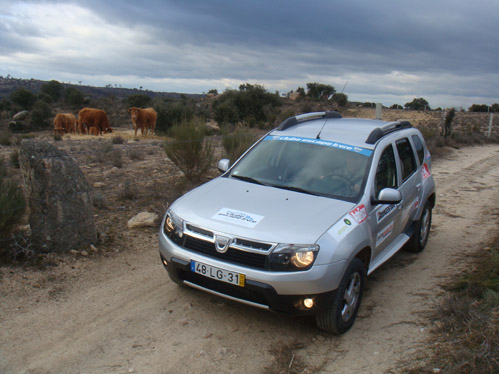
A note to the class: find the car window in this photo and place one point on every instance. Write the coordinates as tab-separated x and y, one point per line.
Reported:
419	148
406	156
386	173
319	167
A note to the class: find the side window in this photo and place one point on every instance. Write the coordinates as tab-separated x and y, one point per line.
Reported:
406	155
419	148
386	173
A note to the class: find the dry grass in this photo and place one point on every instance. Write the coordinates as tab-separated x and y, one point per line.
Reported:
465	337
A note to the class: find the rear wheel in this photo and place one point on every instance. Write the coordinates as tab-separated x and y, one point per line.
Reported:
422	231
340	314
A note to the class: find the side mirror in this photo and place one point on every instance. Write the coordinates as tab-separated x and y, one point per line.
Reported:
388	196
223	165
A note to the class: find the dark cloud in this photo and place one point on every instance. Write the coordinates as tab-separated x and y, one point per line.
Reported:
405	46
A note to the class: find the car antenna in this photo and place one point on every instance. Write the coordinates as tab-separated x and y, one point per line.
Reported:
322	128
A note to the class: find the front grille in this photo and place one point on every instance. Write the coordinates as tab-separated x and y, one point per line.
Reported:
232	255
252	245
242	293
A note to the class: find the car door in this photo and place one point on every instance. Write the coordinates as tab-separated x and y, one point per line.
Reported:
410	182
385	218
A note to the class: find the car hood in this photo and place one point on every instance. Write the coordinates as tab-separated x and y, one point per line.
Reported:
257	212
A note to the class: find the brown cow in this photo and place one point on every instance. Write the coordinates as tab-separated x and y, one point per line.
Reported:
145	119
64	123
89	117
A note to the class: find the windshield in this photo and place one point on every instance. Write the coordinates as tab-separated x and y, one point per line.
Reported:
313	166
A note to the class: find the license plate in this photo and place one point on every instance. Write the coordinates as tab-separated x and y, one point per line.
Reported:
218	274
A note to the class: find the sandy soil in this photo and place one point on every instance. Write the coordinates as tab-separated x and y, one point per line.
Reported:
116	311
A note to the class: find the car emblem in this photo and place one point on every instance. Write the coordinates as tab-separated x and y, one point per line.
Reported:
222	243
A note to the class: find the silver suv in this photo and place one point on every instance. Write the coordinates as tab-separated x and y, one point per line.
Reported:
300	220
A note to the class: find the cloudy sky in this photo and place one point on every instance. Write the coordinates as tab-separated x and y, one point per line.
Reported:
388	51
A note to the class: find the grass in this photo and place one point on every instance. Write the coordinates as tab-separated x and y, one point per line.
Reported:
465	337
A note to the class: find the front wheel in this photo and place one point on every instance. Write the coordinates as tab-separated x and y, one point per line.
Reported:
340	314
422	231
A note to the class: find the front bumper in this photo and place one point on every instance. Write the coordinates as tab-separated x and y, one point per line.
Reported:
281	292
254	293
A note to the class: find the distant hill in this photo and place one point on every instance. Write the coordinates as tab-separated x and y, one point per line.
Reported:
9	85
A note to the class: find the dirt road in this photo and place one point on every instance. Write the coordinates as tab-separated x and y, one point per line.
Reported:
120	313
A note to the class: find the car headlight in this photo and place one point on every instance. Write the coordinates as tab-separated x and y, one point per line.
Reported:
174	226
293	257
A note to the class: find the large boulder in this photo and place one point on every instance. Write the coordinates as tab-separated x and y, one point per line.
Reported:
59	198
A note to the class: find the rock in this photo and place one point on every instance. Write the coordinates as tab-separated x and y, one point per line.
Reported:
19	116
99	184
18	127
59	198
221	352
143	219
212	126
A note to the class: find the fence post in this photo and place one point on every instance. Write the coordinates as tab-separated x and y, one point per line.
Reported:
491	119
378	111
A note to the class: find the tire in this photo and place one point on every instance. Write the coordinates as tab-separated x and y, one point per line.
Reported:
340	314
421	232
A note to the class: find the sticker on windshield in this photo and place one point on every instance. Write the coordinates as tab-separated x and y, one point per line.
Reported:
237	217
325	143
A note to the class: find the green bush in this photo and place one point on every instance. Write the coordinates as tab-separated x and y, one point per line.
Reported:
237	142
74	97
117	158
23	98
137	100
172	113
189	150
251	104
53	89
40	116
12	203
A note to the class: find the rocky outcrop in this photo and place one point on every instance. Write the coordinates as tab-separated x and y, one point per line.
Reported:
59	198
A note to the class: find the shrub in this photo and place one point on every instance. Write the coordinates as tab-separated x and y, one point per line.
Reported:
189	150
237	142
102	151
14	159
74	97
252	104
135	154
137	100
40	115
172	113
117	140
5	138
318	90
53	89
449	117
57	137
117	158
24	98
99	200
129	191
12	203
417	104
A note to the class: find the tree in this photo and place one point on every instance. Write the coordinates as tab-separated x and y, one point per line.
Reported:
24	98
449	117
172	113
53	88
138	100
73	96
341	99
494	108
417	104
40	115
319	90
478	108
396	106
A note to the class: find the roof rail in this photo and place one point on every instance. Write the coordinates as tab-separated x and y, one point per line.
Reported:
379	132
291	121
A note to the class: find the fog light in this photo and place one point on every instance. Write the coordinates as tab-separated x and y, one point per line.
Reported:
309	303
165	262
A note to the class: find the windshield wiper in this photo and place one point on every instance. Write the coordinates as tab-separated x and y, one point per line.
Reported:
248	179
296	189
